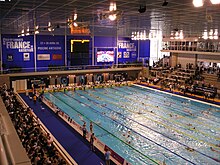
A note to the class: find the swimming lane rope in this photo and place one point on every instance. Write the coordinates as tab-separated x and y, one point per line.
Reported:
154	161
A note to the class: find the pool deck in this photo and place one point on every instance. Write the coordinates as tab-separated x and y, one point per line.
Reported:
177	92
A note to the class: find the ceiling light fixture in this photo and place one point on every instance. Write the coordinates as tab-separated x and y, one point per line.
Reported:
36	30
112	8
28	32
139	35
22	32
112	17
205	35
215	2
49	28
75	17
198	3
75	24
216	34
165	3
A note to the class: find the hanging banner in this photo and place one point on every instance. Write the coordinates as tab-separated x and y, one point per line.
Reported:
50	50
17	52
127	50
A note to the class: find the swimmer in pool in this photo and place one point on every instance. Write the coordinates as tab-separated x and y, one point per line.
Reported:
188	111
139	112
81	118
214	150
113	117
206	113
190	149
164	163
190	125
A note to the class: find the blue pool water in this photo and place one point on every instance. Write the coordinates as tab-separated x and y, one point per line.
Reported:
146	126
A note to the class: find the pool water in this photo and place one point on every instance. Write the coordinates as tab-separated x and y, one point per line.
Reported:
146	126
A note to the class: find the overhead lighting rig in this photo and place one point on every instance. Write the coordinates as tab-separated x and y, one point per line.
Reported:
112	14
72	21
37	29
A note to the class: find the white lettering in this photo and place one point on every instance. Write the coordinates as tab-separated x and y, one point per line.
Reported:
18	45
126	45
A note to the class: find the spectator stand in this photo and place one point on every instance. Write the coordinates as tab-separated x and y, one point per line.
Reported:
69	160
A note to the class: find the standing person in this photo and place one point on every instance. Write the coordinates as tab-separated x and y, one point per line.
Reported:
84	130
107	157
91	127
92	138
35	99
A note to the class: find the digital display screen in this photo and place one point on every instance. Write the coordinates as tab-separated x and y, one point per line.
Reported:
105	56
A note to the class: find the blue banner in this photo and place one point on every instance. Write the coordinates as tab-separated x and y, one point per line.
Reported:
127	50
50	51
18	52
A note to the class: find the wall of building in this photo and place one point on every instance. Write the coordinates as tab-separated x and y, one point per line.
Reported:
33	53
183	59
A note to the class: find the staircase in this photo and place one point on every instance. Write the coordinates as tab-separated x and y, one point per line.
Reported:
211	79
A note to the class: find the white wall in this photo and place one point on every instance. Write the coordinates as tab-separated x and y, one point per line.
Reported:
183	59
209	58
19	85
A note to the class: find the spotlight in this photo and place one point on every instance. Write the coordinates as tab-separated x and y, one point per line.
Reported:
112	17
28	32
75	17
75	24
50	28
198	3
165	3
214	2
142	9
22	32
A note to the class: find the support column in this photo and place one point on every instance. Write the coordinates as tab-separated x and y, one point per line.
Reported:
117	44
65	49
35	54
1	53
174	59
93	51
196	60
138	57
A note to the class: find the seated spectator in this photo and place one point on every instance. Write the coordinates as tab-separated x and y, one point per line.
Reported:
38	146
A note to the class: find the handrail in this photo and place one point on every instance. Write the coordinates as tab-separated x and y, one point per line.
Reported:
3	155
68	68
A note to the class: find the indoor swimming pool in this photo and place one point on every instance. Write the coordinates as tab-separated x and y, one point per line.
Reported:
146	126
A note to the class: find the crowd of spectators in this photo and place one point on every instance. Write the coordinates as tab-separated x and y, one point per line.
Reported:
189	80
38	145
